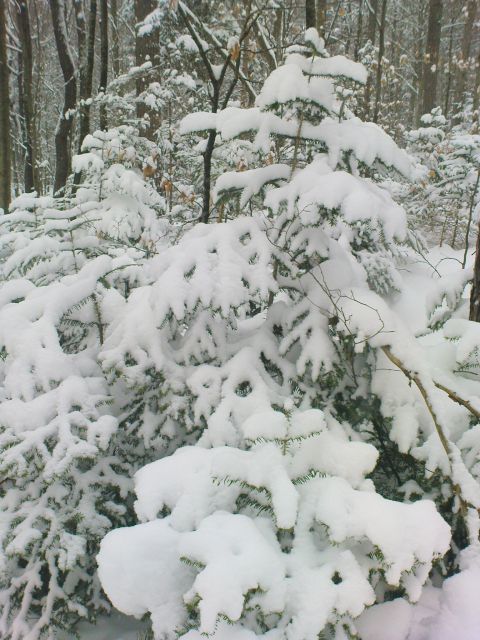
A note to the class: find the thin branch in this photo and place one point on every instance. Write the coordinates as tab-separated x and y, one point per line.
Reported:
453	395
414	378
217	43
464	504
470	216
199	44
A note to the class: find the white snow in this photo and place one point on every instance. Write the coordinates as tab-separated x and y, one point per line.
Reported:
447	613
334	67
250	182
269	363
368	142
140	572
238	557
301	466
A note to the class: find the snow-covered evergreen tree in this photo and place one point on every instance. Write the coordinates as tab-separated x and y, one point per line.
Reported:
65	465
446	192
270	335
282	534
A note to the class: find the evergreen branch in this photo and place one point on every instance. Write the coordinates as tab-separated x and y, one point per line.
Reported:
453	395
436	421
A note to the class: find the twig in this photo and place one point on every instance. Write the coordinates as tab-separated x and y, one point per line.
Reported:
438	427
414	378
458	399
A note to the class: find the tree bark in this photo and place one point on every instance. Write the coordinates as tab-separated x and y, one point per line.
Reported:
321	17
371	31
430	61
147	47
103	60
81	26
449	72
64	126
372	20
278	34
246	98
5	145
310	14
418	80
464	62
23	23
358	39
86	76
475	292
115	42
381	51
476	87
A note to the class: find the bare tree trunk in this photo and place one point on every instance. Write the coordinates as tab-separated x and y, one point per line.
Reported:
310	14
476	88
23	22
147	47
418	66
475	292
372	20
381	51
246	97
278	36
430	62
394	38
371	31
81	26
103	60
321	17
358	39
86	75
464	62
19	150
449	71
115	42
64	126
5	146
